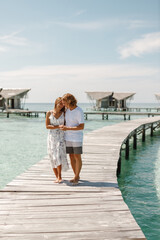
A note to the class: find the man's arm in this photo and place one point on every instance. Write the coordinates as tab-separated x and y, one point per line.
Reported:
79	127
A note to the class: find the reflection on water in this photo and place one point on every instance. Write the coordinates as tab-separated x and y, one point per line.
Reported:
157	173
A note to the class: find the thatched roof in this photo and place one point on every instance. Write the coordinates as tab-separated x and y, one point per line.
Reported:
122	96
9	93
102	95
98	95
157	96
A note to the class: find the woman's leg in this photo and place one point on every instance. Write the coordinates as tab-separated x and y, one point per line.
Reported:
59	169
56	174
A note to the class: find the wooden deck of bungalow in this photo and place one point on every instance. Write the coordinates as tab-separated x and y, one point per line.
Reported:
126	115
32	206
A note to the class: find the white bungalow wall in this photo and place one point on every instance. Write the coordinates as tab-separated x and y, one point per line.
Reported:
98	104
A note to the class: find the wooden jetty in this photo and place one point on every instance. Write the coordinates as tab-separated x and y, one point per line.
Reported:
32	206
126	115
104	114
21	112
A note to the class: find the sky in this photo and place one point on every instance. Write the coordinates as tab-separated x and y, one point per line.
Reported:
59	46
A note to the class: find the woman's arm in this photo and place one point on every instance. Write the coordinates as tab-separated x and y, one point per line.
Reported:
48	125
79	127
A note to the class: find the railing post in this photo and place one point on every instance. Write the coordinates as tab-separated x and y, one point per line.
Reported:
119	165
135	140
143	134
127	149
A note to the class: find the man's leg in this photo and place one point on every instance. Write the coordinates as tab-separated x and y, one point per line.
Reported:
78	166
73	164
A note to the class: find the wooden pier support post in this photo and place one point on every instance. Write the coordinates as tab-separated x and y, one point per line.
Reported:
152	130
124	116
143	134
135	140
102	116
86	116
129	117
106	116
7	114
127	149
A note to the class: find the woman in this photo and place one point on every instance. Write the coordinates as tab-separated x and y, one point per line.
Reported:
74	118
56	143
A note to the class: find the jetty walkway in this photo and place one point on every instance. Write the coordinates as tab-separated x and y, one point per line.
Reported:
32	206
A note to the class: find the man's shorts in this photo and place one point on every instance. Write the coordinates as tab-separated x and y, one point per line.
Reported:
74	147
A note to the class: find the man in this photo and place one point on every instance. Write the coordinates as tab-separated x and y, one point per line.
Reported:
74	117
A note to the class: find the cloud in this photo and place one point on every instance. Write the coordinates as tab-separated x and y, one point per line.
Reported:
3	49
90	25
93	25
148	43
80	72
99	24
80	12
55	80
133	24
12	39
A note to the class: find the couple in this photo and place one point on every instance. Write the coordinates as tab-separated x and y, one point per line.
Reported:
65	123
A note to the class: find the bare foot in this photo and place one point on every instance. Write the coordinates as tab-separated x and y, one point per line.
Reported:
72	180
75	180
60	180
56	181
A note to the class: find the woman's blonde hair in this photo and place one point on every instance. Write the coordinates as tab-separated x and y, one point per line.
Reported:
70	99
59	99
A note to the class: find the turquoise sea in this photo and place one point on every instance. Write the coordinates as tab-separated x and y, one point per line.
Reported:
23	143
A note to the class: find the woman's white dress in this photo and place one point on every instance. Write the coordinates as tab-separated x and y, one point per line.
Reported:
56	144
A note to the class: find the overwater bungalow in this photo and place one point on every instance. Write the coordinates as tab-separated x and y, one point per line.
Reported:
157	96
110	99
12	98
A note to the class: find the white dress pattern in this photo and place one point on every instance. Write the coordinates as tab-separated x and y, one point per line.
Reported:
56	144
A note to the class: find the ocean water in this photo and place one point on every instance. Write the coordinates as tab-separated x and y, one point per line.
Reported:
139	183
23	142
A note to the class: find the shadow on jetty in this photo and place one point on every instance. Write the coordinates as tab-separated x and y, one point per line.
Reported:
85	183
